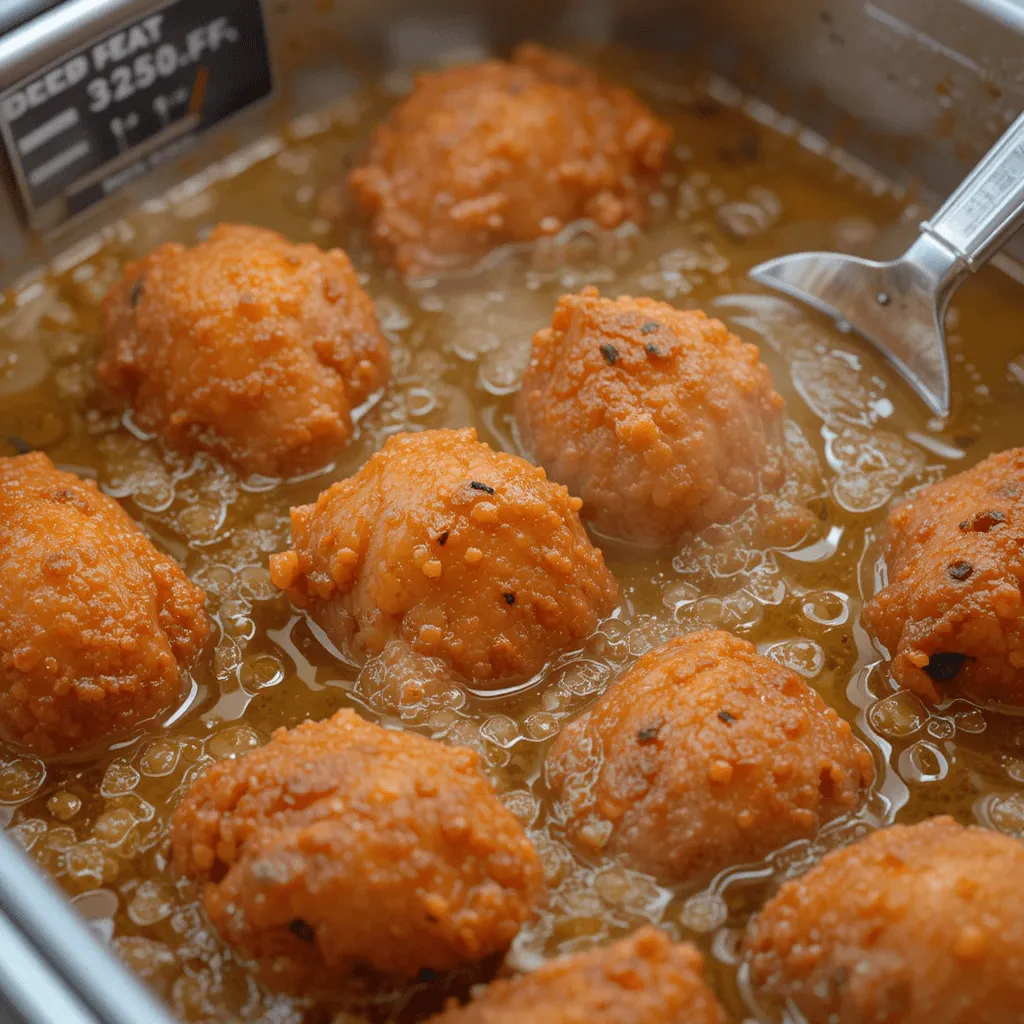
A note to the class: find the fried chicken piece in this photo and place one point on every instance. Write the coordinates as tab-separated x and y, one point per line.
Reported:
952	614
920	924
644	978
467	554
704	754
659	419
96	625
246	346
341	845
501	152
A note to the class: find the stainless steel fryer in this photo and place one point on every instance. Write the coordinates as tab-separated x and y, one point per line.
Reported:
915	90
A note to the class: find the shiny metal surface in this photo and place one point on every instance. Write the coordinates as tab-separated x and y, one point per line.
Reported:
918	89
30	991
988	207
16	12
900	306
66	949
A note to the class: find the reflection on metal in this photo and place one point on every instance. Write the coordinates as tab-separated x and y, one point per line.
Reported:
67	957
891	97
900	306
906	327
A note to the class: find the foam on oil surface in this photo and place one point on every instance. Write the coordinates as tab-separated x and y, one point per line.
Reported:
737	192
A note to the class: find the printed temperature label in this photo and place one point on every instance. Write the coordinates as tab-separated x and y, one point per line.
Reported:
110	111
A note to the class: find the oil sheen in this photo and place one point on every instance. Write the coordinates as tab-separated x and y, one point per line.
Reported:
737	190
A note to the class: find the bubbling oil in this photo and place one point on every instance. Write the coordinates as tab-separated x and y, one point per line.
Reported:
738	189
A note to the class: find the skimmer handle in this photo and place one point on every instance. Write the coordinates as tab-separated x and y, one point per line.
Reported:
988	207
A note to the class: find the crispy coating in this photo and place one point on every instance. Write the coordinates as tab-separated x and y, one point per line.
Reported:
644	978
505	152
920	924
660	419
341	844
95	623
246	346
704	754
952	615
465	553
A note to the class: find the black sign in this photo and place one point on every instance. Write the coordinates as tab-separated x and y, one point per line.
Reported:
130	100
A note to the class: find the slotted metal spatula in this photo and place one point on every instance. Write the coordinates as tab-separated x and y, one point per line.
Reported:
900	306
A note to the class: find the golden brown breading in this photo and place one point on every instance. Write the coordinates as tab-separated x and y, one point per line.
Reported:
96	625
506	152
246	346
704	754
913	925
659	419
952	614
467	554
644	979
341	844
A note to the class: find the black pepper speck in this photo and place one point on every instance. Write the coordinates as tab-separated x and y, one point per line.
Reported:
982	522
302	929
648	735
943	668
610	353
650	327
960	570
726	717
652	350
477	486
510	598
443	539
136	293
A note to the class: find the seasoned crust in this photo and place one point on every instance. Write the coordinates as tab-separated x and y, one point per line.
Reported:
96	625
502	152
659	419
465	553
952	614
913	925
341	844
644	978
246	346
704	754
